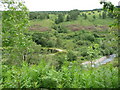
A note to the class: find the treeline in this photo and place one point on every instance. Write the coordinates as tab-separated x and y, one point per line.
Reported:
38	15
71	15
64	16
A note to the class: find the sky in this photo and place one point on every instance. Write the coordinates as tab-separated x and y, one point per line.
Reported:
64	5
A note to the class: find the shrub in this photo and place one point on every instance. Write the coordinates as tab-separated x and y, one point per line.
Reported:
71	56
85	16
62	29
81	42
84	53
44	39
70	76
104	15
59	19
14	28
106	52
94	17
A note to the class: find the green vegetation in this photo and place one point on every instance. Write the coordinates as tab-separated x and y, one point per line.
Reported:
59	19
49	53
70	76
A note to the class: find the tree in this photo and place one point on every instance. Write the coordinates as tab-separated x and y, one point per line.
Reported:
94	17
100	16
85	16
44	39
92	52
89	13
48	16
108	6
61	29
16	44
71	56
68	18
73	14
103	15
59	19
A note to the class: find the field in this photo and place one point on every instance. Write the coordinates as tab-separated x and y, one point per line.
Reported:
49	52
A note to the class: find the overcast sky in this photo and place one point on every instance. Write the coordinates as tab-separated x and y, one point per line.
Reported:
63	5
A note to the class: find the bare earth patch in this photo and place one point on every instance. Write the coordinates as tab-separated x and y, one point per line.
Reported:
38	28
75	27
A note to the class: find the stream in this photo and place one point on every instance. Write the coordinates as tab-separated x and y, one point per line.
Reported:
100	61
96	63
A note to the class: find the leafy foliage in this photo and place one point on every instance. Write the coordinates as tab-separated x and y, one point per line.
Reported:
71	56
72	15
59	19
70	76
27	65
44	39
15	23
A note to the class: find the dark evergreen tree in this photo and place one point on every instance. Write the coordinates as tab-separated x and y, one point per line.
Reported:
48	16
103	15
94	17
85	16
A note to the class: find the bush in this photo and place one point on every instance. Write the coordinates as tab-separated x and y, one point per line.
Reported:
70	76
71	56
84	54
60	58
73	14
87	36
94	17
85	16
59	19
81	42
62	29
44	39
106	52
38	15
104	15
